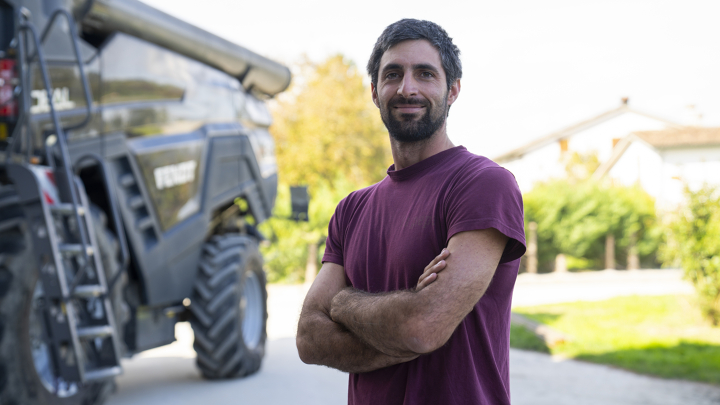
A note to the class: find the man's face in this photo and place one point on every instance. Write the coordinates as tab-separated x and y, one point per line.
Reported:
412	91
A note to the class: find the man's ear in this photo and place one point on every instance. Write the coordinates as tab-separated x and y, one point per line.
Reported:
373	90
454	92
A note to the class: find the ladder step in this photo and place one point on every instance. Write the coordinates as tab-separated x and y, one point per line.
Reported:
87	291
127	180
136	202
11	223
94	331
66	209
103	373
145	223
70	249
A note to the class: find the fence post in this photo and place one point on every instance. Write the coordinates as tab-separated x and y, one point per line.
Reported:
633	256
610	251
532	248
560	263
311	266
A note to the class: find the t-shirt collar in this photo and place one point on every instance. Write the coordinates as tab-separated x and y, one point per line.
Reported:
419	167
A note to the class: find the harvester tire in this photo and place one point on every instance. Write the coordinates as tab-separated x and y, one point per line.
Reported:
228	307
20	380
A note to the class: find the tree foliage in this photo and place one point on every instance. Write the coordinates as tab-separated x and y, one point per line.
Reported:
580	166
328	136
329	128
574	219
694	242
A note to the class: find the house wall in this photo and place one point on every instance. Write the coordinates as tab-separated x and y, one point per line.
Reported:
663	174
693	167
640	165
539	165
545	163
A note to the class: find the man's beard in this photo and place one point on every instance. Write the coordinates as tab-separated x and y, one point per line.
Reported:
408	130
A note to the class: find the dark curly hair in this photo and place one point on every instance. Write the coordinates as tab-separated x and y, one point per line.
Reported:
409	29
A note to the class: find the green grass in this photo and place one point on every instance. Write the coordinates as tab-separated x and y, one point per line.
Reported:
663	336
521	338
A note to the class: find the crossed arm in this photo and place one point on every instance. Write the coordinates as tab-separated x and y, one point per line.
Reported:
355	331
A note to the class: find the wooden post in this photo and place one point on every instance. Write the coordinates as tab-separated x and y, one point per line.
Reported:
311	266
560	263
532	248
633	262
610	251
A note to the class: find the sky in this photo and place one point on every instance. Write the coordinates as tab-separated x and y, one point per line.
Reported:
530	67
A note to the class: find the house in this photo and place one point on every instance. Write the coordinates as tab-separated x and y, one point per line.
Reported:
633	147
663	162
542	159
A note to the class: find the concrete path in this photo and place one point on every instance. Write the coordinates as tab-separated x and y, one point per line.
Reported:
538	289
167	375
283	379
538	379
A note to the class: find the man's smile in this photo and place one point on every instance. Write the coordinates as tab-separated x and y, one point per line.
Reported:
408	108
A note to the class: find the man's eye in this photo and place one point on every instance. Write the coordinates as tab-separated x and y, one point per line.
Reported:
427	75
391	76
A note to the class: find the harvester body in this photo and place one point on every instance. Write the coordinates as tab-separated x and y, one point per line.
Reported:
122	124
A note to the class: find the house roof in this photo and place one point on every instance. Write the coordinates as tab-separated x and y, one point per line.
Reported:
680	137
574	129
662	140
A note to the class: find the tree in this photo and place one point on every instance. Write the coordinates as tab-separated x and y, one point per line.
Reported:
575	218
329	128
580	166
329	136
695	244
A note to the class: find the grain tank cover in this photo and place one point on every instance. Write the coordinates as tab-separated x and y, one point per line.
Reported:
257	73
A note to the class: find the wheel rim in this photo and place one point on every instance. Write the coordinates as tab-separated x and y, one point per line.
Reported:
253	311
41	351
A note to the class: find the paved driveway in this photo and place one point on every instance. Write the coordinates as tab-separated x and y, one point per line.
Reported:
167	375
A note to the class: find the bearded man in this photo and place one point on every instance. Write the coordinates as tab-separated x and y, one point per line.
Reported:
409	332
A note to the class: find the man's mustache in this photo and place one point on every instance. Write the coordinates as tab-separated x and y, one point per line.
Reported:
408	101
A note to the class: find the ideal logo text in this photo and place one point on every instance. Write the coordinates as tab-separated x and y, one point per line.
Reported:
60	99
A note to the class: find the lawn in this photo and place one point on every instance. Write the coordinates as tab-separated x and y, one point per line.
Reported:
663	336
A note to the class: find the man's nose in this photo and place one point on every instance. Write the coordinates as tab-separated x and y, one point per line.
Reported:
408	87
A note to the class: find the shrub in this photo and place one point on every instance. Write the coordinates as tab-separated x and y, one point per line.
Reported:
695	244
574	218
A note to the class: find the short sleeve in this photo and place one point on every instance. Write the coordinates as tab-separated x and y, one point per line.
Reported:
334	243
488	197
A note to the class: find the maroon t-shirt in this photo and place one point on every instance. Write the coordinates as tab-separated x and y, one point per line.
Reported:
386	234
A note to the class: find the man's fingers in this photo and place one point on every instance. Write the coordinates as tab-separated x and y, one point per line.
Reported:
426	281
430	275
437	267
443	255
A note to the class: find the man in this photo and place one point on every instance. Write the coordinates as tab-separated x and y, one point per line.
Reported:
410	332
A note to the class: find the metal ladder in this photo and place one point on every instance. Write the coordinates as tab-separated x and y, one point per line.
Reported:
77	312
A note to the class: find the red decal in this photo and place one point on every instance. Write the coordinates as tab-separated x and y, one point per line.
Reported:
48	198
50	175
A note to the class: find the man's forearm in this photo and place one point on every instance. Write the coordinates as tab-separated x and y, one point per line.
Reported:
325	342
383	321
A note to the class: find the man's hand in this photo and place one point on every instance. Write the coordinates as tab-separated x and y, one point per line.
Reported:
431	270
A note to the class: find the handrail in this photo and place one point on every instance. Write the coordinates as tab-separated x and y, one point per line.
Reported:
25	26
78	58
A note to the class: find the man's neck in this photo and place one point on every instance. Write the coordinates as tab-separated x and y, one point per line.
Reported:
406	154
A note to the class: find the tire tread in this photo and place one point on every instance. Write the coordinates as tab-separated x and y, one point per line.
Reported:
221	350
